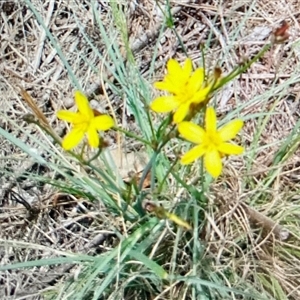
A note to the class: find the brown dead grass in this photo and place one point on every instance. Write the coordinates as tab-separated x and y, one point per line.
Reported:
29	61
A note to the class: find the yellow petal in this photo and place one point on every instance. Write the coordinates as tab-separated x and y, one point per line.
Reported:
66	115
177	75
176	80
191	132
213	163
196	80
71	117
187	69
181	113
73	138
230	149
210	120
93	137
173	66
161	85
164	104
192	155
83	105
201	95
103	122
230	130
172	85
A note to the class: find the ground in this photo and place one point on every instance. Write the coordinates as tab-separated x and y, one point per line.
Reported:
236	30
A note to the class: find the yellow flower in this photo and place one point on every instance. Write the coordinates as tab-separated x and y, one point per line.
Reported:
84	122
185	86
211	143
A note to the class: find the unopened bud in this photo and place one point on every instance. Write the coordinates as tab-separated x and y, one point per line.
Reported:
217	73
280	34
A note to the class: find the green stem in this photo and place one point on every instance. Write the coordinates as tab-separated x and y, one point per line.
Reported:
147	170
241	69
132	135
31	119
167	174
95	156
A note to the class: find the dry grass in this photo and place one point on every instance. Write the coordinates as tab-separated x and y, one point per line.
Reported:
233	233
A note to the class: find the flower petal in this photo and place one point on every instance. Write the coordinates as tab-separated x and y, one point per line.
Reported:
164	104
83	105
103	122
68	116
191	132
181	113
230	149
172	85
73	138
230	130
93	137
213	163
161	85
210	121
173	67
176	71
186	69
201	95
192	154
177	76
196	80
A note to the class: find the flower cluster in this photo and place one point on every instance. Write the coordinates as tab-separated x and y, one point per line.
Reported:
187	89
211	143
85	121
188	92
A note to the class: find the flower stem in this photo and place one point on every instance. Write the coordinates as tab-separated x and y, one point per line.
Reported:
132	135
